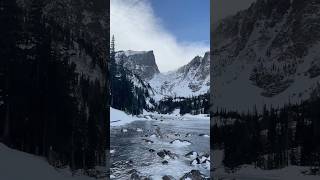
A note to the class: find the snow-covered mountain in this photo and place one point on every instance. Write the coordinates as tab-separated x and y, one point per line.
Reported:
189	80
267	54
192	79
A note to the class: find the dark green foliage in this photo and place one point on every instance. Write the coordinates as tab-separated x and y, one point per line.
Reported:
124	95
273	139
193	105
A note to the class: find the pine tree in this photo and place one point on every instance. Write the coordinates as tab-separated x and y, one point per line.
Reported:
113	71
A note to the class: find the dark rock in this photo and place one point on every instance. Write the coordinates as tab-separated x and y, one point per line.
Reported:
165	162
164	153
147	141
194	175
132	171
152	150
122	164
204	157
161	154
191	154
166	177
135	176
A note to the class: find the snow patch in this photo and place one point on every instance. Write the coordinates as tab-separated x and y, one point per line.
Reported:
20	165
180	143
120	118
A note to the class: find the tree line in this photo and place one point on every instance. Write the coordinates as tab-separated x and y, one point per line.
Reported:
273	139
193	105
125	95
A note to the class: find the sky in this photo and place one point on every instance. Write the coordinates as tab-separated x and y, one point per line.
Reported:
176	30
188	20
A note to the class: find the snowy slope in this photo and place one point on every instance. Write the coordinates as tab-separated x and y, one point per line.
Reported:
17	165
267	54
189	80
120	118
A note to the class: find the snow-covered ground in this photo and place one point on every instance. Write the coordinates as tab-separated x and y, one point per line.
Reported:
17	165
120	118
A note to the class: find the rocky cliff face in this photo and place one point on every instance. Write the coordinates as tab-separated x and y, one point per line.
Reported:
266	54
142	63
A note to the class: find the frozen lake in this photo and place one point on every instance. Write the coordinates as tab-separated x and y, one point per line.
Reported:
134	147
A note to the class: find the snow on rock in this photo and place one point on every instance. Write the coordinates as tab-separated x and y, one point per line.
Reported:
148	141
16	165
180	143
112	176
166	154
124	130
192	155
153	136
204	135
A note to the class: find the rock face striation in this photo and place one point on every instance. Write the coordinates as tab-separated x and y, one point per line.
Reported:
141	63
266	54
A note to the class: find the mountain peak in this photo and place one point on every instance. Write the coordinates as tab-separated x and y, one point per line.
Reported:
189	80
141	63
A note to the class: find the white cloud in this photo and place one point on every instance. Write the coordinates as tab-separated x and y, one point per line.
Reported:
135	27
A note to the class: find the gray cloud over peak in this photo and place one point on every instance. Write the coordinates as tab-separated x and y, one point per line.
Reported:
135	27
